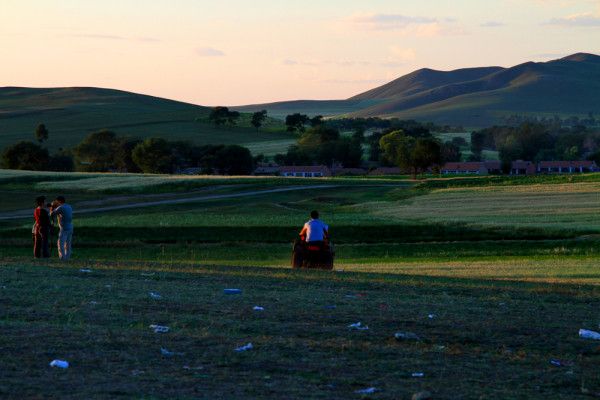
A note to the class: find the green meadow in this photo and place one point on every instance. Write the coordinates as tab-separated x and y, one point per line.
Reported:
494	276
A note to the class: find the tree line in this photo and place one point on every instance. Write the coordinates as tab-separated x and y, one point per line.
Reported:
105	151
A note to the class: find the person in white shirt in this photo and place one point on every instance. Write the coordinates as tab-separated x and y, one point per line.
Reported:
315	231
64	212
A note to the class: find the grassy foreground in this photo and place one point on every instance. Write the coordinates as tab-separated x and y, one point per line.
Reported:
494	275
479	337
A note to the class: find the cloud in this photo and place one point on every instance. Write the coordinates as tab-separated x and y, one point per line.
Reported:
402	54
492	24
388	21
209	52
587	20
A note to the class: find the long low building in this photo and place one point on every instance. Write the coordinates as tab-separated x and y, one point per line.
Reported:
519	167
563	167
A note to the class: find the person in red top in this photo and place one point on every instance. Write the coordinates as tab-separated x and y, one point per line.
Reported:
41	229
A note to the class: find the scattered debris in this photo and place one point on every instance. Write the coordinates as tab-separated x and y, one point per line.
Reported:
108	286
431	316
246	347
370	390
258	308
168	353
59	364
358	326
137	372
85	270
94	303
155	296
418	374
586	334
406	336
188	368
232	291
422	396
560	363
160	328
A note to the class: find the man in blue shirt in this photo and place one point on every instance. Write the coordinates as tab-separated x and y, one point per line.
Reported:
64	212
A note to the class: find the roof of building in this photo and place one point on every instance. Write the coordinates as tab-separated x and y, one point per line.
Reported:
566	164
463	166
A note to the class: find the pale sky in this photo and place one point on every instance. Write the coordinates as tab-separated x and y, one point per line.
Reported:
233	52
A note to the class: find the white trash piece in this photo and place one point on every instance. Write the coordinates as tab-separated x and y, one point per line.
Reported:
85	270
160	328
247	347
358	326
155	295
59	364
431	316
585	334
168	353
258	308
418	374
370	390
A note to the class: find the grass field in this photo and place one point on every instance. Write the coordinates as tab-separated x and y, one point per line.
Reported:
494	275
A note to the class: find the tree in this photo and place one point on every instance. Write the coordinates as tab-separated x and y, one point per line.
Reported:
123	160
258	118
425	154
25	155
61	162
316	121
409	153
96	153
450	152
41	133
296	122
234	160
221	115
153	156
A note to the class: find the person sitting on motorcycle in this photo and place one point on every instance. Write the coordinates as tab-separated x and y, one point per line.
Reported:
315	232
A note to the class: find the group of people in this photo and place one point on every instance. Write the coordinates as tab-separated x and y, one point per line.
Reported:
45	216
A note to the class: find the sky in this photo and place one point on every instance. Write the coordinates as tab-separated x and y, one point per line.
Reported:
234	52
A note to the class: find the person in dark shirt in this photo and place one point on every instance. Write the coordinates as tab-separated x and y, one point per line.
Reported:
41	229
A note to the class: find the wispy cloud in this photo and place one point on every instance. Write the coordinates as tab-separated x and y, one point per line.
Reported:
99	36
209	52
587	20
388	21
493	24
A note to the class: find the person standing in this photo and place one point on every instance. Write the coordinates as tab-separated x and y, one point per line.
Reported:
64	213
41	230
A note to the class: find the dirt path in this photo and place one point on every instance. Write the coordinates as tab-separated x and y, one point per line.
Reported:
192	199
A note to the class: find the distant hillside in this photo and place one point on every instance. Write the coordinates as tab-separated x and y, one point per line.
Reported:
72	113
474	96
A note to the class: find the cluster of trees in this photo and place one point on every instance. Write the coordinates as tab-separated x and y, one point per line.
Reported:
536	141
104	151
321	144
555	121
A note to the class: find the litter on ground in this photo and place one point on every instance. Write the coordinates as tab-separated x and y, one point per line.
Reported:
232	291
586	334
155	296
406	336
370	390
59	364
160	328
85	270
358	326
258	308
418	374
168	353
244	348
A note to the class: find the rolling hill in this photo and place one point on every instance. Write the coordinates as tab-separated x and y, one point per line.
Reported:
72	113
473	97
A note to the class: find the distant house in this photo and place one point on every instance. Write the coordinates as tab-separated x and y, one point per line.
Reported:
521	167
266	169
563	167
472	168
386	171
307	171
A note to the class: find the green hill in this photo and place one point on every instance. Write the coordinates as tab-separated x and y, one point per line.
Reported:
72	113
474	96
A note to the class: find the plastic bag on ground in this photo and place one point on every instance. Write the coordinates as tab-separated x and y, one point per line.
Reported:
246	347
160	328
232	291
358	326
155	296
370	390
258	308
586	334
406	336
59	364
168	353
